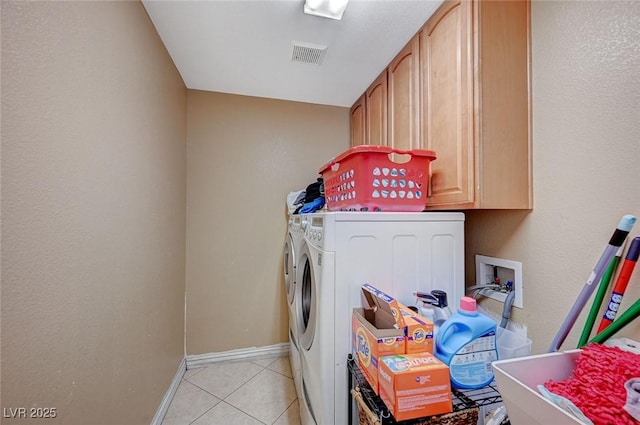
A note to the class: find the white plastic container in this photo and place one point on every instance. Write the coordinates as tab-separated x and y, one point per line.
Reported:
518	381
512	344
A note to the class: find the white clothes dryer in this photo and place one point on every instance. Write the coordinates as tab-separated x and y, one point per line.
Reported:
292	245
398	253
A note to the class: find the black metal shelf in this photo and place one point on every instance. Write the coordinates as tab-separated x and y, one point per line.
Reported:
461	399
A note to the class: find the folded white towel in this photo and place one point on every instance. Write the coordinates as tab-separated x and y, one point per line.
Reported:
291	198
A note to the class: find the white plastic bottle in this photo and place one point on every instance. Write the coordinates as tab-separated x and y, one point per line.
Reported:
441	307
434	307
428	312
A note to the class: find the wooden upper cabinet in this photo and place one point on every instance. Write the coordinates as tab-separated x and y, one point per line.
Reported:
447	102
474	67
404	98
461	88
357	122
376	112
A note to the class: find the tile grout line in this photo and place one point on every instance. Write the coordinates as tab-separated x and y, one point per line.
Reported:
205	412
200	369
248	414
219	400
250	379
280	373
290	377
230	405
200	388
285	410
275	359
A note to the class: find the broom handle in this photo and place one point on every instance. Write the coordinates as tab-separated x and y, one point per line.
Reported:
597	301
624	319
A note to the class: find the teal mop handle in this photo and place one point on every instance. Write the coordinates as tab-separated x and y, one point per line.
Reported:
624	319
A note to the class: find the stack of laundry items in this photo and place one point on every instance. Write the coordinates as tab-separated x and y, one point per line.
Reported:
307	201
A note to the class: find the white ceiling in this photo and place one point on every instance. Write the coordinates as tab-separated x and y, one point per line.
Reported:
244	47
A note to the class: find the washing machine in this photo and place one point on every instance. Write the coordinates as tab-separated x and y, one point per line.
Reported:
398	253
292	245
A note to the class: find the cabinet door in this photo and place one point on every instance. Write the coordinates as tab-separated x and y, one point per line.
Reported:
357	122
503	162
404	95
447	102
376	112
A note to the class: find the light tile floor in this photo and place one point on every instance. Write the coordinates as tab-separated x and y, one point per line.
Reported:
256	392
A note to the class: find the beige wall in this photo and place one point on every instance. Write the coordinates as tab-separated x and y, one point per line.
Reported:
586	154
93	212
94	118
244	155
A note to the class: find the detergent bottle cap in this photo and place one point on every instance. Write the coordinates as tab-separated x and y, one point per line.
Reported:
468	304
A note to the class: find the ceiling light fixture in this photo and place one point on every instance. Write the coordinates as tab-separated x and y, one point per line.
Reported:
332	9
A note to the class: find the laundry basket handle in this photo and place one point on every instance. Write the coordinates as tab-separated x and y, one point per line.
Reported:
392	153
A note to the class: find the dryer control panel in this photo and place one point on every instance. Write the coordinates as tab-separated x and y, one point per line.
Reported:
313	230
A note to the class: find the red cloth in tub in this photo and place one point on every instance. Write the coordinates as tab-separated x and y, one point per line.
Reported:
596	385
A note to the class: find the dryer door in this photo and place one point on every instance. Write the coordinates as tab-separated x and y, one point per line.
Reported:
289	268
306	296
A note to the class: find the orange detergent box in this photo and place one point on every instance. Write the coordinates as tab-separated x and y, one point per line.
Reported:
377	331
414	385
418	331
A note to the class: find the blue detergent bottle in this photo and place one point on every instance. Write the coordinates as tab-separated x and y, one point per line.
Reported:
466	342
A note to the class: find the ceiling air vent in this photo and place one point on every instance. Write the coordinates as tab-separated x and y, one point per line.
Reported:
307	53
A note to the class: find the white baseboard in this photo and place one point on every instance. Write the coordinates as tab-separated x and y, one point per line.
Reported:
251	353
168	396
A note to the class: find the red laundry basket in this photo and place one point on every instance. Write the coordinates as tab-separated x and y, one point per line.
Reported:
377	178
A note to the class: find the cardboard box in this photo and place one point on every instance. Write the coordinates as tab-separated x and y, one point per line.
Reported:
518	381
377	331
418	331
415	385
